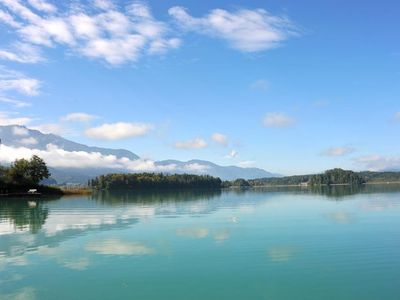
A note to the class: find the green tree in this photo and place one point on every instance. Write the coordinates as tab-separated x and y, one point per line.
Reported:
37	170
19	172
28	172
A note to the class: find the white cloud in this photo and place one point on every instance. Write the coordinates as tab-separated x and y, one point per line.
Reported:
53	128
232	154
57	157
245	30
277	120
26	86
379	162
14	102
6	119
260	85
108	33
397	116
196	143
78	117
7	19
246	164
43	6
220	138
11	80
116	131
21	131
118	247
338	151
104	4
28	141
22	53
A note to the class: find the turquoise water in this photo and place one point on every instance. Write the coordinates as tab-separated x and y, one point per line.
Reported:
263	244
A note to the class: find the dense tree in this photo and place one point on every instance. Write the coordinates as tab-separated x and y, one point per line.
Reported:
153	180
240	182
37	170
23	172
337	176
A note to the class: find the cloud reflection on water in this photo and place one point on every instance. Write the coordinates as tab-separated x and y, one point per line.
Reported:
118	247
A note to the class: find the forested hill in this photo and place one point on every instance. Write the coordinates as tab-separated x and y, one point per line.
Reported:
153	181
335	176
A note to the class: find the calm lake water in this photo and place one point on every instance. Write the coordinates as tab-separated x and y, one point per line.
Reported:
255	244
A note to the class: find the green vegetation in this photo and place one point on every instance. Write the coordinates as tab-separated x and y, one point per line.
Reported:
153	181
330	177
239	183
337	176
380	177
284	181
25	174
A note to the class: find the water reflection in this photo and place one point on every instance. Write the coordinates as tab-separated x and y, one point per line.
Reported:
145	239
118	197
334	191
23	214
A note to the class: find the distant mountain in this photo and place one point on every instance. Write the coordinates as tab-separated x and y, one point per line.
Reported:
20	136
223	172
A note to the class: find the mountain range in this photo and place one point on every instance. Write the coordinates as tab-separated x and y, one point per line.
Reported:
19	137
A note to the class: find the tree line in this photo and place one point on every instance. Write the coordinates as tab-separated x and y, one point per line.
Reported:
329	177
153	181
23	173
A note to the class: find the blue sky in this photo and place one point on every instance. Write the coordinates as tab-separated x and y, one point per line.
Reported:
289	86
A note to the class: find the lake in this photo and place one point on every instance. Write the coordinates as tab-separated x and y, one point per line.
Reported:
277	243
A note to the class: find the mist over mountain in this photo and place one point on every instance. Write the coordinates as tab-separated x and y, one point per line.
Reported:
21	136
72	162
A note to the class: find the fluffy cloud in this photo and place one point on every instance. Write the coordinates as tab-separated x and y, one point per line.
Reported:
277	120
27	86
21	131
78	117
104	4
59	158
7	19
22	53
260	85
232	154
220	138
196	143
6	119
102	31
338	151
116	131
53	128
28	141
379	162
245	30
11	80
120	34
43	6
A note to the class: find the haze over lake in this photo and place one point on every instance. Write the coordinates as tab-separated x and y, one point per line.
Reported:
282	243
